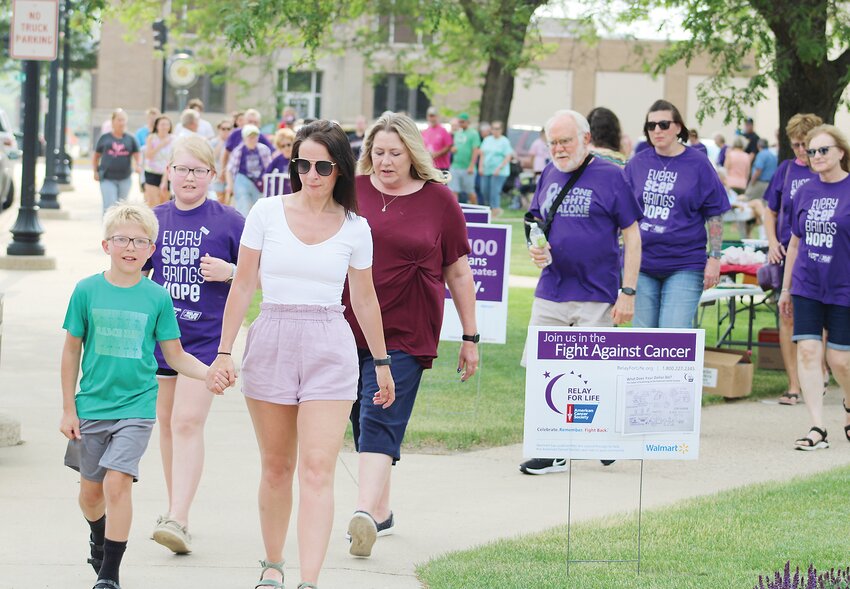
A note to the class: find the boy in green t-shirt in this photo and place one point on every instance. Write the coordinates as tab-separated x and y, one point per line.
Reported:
113	322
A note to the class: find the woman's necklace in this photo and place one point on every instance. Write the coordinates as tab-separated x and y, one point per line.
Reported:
384	200
669	158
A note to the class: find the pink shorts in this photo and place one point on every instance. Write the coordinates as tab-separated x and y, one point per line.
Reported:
298	353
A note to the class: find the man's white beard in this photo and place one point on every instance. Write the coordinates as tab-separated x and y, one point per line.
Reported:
572	163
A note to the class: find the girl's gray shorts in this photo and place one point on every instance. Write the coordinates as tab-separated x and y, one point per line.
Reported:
109	444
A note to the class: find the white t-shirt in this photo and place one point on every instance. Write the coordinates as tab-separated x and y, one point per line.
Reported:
294	273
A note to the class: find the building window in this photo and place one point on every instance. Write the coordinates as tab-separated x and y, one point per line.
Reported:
391	93
302	91
398	29
209	92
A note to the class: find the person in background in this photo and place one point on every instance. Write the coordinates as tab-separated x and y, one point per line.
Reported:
779	196
817	291
151	115
605	136
764	166
465	152
245	170
238	118
251	117
737	167
494	166
720	142
355	137
157	155
300	366
437	140
421	247
288	118
198	287
752	138
190	122
116	157
539	152
219	185
695	143
681	194
283	141
204	128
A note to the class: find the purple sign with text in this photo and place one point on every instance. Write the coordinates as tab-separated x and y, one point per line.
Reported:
634	346
474	216
489	244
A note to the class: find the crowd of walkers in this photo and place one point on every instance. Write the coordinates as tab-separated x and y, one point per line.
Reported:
354	249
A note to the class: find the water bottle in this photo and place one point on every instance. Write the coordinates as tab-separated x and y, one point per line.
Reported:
538	239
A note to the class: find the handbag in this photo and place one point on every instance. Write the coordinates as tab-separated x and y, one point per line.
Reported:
550	216
769	276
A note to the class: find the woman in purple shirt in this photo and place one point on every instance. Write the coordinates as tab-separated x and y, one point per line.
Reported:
680	192
789	177
817	290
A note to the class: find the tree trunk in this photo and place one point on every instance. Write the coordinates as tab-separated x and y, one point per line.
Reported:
808	88
498	92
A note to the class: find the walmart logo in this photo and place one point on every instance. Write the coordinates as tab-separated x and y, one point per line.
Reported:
676	448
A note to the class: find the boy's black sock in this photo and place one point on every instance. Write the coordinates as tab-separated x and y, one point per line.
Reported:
98	532
113	552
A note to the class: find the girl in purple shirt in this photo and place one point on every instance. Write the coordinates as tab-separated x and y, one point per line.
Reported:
680	192
817	290
789	177
194	260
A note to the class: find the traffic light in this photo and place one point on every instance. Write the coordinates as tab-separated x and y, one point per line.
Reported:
160	34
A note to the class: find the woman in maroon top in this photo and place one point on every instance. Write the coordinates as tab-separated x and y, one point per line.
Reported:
420	247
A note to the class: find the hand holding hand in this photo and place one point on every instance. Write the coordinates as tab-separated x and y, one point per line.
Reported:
221	374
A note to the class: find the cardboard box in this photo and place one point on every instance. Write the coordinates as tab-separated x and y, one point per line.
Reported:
769	356
728	373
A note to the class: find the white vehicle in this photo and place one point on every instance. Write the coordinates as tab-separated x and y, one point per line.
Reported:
8	153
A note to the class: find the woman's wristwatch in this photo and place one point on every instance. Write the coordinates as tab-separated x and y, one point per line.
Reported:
471	338
383	361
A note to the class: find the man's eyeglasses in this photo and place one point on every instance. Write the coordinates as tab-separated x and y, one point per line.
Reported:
650	125
562	142
819	150
183	171
323	167
141	243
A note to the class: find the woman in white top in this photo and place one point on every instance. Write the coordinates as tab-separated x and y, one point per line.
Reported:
158	148
300	367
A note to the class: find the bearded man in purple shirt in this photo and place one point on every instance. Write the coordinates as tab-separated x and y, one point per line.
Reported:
581	285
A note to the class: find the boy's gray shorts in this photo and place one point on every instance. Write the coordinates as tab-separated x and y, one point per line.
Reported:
109	444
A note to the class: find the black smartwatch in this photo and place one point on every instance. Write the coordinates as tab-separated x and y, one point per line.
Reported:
471	338
383	361
628	291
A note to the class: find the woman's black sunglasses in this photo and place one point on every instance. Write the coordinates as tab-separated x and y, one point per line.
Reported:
323	167
650	126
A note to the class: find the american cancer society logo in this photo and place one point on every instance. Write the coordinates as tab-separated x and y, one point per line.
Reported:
570	395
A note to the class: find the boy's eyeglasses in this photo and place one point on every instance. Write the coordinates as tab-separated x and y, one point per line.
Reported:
819	150
141	243
798	144
323	167
183	171
650	126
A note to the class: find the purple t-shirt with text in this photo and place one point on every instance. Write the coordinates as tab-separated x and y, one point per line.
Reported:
678	194
584	234
184	237
821	219
787	179
234	140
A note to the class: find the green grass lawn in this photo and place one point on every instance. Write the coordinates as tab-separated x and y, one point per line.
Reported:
718	542
488	410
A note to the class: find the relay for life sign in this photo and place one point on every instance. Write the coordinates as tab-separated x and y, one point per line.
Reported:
490	264
609	394
35	30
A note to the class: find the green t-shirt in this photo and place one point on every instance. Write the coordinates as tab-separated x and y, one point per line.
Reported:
466	142
119	328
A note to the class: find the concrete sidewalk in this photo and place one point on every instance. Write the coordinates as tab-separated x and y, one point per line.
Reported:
442	502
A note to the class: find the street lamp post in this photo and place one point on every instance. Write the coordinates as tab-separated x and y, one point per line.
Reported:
50	189
26	233
63	167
